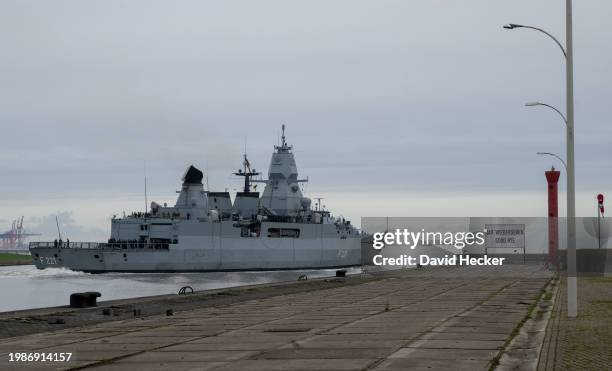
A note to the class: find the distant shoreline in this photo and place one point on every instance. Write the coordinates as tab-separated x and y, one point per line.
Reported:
8	259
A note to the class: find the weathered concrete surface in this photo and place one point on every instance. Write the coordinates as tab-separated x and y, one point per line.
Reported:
523	351
455	319
22	322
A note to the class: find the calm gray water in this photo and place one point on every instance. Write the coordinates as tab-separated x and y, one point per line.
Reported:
25	287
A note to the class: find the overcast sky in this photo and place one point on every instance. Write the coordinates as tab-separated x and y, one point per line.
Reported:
394	107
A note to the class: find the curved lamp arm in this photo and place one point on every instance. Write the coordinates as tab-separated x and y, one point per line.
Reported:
552	154
512	26
533	104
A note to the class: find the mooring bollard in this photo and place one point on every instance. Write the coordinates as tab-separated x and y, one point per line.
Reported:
84	299
91	298
77	300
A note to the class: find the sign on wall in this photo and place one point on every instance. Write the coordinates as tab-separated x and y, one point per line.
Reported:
505	236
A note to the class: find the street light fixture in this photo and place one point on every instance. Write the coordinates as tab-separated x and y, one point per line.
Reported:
534	104
512	26
572	281
554	155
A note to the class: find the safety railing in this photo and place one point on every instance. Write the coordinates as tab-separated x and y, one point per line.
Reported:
100	245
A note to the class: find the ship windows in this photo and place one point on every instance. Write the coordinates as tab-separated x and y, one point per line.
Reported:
283	233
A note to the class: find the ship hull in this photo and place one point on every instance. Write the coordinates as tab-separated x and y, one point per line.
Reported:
233	255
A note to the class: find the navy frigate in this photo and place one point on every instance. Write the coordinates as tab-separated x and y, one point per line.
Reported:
206	231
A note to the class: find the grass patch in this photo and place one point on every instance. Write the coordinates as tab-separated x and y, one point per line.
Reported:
606	304
6	258
600	279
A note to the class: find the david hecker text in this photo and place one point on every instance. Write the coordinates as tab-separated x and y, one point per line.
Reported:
424	260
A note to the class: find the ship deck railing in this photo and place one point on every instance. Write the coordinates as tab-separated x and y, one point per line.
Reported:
101	245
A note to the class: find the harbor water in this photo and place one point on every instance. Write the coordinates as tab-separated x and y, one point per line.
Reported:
25	287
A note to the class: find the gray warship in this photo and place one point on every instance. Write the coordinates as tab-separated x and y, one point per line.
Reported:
206	231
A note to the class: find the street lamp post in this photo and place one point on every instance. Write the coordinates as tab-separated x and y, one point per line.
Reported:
572	279
572	284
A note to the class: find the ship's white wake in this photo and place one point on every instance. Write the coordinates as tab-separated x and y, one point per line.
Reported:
28	287
33	272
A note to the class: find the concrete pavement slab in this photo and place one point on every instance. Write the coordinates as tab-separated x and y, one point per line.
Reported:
449	318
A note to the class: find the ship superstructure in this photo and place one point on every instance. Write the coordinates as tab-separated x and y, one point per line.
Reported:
206	231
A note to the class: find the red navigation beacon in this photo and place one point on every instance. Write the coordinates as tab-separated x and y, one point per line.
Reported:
552	176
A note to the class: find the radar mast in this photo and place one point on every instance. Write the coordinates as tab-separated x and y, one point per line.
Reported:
283	148
247	173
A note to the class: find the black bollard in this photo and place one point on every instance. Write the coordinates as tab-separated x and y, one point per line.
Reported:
84	299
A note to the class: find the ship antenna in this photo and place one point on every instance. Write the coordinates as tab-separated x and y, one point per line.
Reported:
145	194
207	188
58	228
284	144
145	190
245	162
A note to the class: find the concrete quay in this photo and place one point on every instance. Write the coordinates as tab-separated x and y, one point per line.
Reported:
425	319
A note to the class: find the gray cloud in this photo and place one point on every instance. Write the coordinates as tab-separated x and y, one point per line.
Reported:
378	96
69	227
